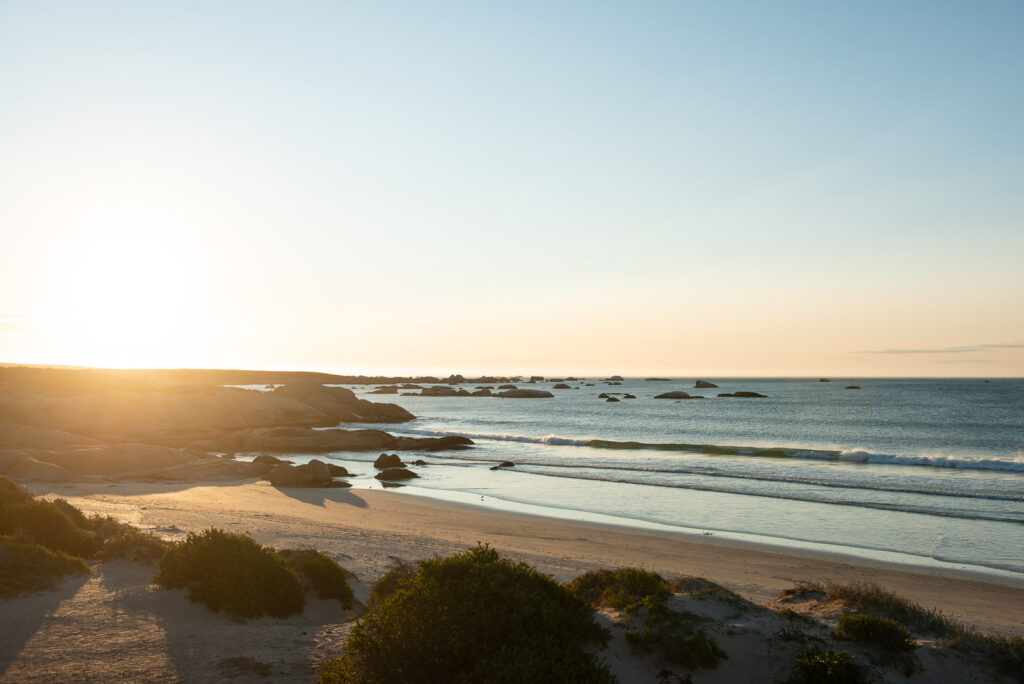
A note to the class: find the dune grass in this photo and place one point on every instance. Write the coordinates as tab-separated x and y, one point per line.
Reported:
325	577
1005	652
815	666
27	567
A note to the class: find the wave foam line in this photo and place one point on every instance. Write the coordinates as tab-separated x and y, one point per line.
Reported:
847	456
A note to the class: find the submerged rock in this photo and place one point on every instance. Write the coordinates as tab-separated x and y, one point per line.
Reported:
561	385
745	395
704	384
611	399
503	464
856	387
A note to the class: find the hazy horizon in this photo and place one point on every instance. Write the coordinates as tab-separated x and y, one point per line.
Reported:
670	189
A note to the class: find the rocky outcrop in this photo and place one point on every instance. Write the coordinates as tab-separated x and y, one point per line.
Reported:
506	387
657	379
316	473
308	440
611	399
393	474
674	395
342	405
385	390
503	464
824	380
388	461
524	394
704	384
745	395
857	387
560	385
629	396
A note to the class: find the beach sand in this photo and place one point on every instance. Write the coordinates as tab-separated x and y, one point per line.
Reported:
152	634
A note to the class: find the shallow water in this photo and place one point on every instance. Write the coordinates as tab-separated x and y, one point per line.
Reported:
932	470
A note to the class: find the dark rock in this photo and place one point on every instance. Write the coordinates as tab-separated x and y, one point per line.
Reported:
312	474
503	464
439	391
481	393
561	385
408	386
674	395
824	380
657	379
524	394
856	387
388	461
432	443
613	383
394	485
338	471
419	462
602	395
629	396
385	390
506	387
340	405
611	399
616	378
704	384
392	474
745	395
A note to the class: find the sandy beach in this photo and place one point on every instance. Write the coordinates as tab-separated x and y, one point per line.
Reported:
157	635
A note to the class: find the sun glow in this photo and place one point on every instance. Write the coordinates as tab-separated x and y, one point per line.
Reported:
125	293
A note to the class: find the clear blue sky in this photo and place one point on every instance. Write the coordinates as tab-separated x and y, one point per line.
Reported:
747	188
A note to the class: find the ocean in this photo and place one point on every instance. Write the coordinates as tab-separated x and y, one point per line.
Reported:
926	472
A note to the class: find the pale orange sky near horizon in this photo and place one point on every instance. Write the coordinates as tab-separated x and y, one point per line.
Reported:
701	190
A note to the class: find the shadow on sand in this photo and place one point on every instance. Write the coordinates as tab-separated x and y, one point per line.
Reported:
319	496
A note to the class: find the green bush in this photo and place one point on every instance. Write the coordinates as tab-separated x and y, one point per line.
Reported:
28	567
624	589
328	579
12	492
870	629
231	573
473	617
46	524
391	581
814	666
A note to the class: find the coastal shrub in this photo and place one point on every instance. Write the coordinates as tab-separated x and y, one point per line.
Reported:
815	666
11	492
471	617
657	628
133	544
328	579
623	589
231	573
870	629
396	577
46	524
26	567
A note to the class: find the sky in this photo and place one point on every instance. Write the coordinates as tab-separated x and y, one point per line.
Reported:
672	188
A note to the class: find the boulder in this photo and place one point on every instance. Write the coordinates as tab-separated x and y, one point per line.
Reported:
657	379
629	396
385	390
616	378
744	395
611	399
856	387
313	474
524	394
338	471
419	462
602	395
704	384
824	380
481	393
388	461
392	474
503	464
440	391
674	395
507	387
560	385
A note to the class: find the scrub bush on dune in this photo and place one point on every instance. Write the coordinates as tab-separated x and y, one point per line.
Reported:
231	573
473	617
328	579
46	524
26	567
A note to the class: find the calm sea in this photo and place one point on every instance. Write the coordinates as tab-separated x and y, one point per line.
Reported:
927	472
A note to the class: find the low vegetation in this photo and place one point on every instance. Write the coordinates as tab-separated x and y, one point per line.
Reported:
815	666
396	577
25	566
1005	652
472	617
231	573
871	629
325	577
644	596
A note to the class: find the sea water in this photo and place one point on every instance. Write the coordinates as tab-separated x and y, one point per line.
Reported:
925	471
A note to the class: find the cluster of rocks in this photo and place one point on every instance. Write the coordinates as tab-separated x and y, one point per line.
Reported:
316	473
505	392
392	469
687	395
